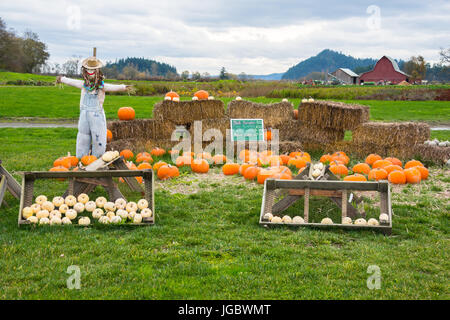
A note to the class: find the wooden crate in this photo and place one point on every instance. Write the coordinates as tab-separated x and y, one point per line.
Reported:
327	188
103	177
7	182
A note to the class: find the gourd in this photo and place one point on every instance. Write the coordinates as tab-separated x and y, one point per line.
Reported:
372	222
87	160
110	206
371	158
100	202
116	220
276	219
167	171
84	221
110	156
42	214
63	208
412	175
110	214
78	207
70	201
137	218
66	220
347	220
55	221
142	204
397	177
97	213
55	213
27	212
146	213
35	207
90	206
210	98
131	215
71	214
238	98
384	218
83	198
126	113
360	222
157	152
122	213
230	169
268	216
33	219
131	206
171	95
316	173
298	220
201	95
287	219
200	166
41	199
44	221
378	174
127	154
326	221
58	201
120	203
362	168
104	220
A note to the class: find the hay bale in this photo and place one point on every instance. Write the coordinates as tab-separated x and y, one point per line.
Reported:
136	145
163	130
392	135
330	114
143	129
273	114
290	130
439	155
290	146
188	111
322	136
222	124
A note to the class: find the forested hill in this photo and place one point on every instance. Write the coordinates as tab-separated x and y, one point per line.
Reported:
328	61
138	65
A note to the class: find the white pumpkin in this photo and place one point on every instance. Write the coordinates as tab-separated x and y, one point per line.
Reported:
44	221
120	203
97	213
347	220
110	206
316	173
110	214
268	216
122	213
33	219
318	166
78	207
142	204
194	98
361	222
287	219
36	207
310	100
63	208
41	199
238	98
298	220
43	214
70	201
146	213
84	221
58	201
176	99
304	100
55	221
167	98
71	214
384	218
137	218
27	212
90	206
55	213
47	205
100	202
116	220
373	222
83	198
326	221
131	206
284	100
108	156
66	220
276	219
131	215
210	98
104	220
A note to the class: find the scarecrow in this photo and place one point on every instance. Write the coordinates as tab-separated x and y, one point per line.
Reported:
91	138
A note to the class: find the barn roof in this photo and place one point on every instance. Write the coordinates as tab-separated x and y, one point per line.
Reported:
349	72
395	65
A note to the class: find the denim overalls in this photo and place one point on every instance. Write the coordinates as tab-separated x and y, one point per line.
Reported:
91	125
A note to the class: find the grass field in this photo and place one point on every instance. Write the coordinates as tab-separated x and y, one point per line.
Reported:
207	243
53	102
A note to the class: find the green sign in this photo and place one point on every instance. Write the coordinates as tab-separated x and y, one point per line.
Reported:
247	129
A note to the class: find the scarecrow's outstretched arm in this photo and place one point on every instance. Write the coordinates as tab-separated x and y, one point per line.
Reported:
71	82
115	87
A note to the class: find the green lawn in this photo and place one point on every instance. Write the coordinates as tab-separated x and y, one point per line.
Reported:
208	245
54	102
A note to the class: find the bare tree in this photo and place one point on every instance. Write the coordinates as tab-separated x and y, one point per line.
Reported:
445	55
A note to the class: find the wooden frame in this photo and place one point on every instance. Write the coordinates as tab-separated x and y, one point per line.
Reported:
7	182
104	176
324	187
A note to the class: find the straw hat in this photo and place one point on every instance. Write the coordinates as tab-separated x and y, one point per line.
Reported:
92	62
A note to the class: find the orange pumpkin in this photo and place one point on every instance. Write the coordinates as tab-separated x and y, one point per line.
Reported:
205	155
126	113
109	135
63	162
264	174
158	152
200	166
275	161
262	160
397	177
127	154
295	114
326	158
202	95
131	165
73	160
381	164
285	158
87	160
244	167
144	165
340	156
392	167
219	159
251	173
172	94
183	161
371	158
395	161
339	170
413	163
423	172
158	165
412	175
144	156
229	169
268	135
362	168
297	161
59	169
355	177
378	174
167	171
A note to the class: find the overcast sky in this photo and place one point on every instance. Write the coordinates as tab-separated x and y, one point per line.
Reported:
251	36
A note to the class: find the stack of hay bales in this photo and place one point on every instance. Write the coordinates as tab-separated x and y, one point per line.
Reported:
435	154
397	139
325	122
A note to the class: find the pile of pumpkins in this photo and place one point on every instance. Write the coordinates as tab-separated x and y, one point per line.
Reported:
64	211
376	168
437	143
383	220
199	95
69	162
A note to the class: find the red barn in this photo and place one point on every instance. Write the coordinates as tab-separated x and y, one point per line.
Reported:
386	70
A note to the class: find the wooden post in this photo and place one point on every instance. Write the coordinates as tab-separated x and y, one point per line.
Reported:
344	204
306	206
